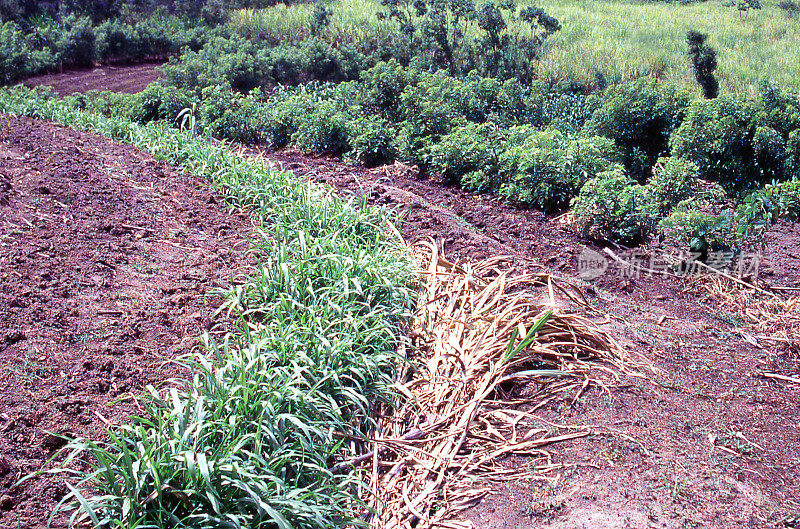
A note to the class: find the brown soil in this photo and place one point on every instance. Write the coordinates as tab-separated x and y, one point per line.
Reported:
663	465
107	262
125	79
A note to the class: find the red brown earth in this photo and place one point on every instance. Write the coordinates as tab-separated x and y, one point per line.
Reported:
125	79
108	260
706	443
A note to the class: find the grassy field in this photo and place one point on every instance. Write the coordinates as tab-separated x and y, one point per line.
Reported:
623	40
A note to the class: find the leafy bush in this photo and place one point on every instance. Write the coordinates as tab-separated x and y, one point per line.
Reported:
75	43
718	136
372	139
231	115
704	62
431	110
324	130
616	206
14	53
112	104
157	102
546	169
762	209
382	87
235	62
639	117
701	222
470	156
283	114
115	39
673	180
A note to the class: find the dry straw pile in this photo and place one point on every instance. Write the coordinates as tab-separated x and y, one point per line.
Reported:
492	347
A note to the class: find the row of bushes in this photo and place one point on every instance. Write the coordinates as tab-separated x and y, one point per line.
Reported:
74	41
543	146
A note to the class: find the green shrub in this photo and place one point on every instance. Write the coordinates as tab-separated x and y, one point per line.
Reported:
382	88
639	117
231	115
546	169
324	130
15	55
285	63
235	62
116	40
719	136
157	103
431	109
113	104
372	139
701	223
479	98
321	61
762	209
615	206
469	156
75	44
284	112
673	180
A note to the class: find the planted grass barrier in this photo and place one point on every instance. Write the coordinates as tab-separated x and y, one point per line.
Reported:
278	420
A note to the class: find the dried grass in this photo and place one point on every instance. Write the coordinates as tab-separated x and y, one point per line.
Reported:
490	344
774	318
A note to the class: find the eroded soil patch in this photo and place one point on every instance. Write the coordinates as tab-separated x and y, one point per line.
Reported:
108	260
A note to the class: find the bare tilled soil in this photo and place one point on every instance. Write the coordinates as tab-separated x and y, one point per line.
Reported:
706	441
108	260
122	78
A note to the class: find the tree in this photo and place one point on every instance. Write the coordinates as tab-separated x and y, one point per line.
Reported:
704	62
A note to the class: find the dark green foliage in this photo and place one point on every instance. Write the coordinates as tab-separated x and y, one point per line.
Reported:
718	135
74	41
614	205
434	31
704	62
111	104
159	102
231	115
470	156
700	224
430	110
545	169
234	61
320	19
790	6
283	114
639	117
743	5
673	181
382	87
15	54
324	130
372	139
322	62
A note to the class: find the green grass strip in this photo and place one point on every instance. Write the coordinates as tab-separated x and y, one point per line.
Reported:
249	442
